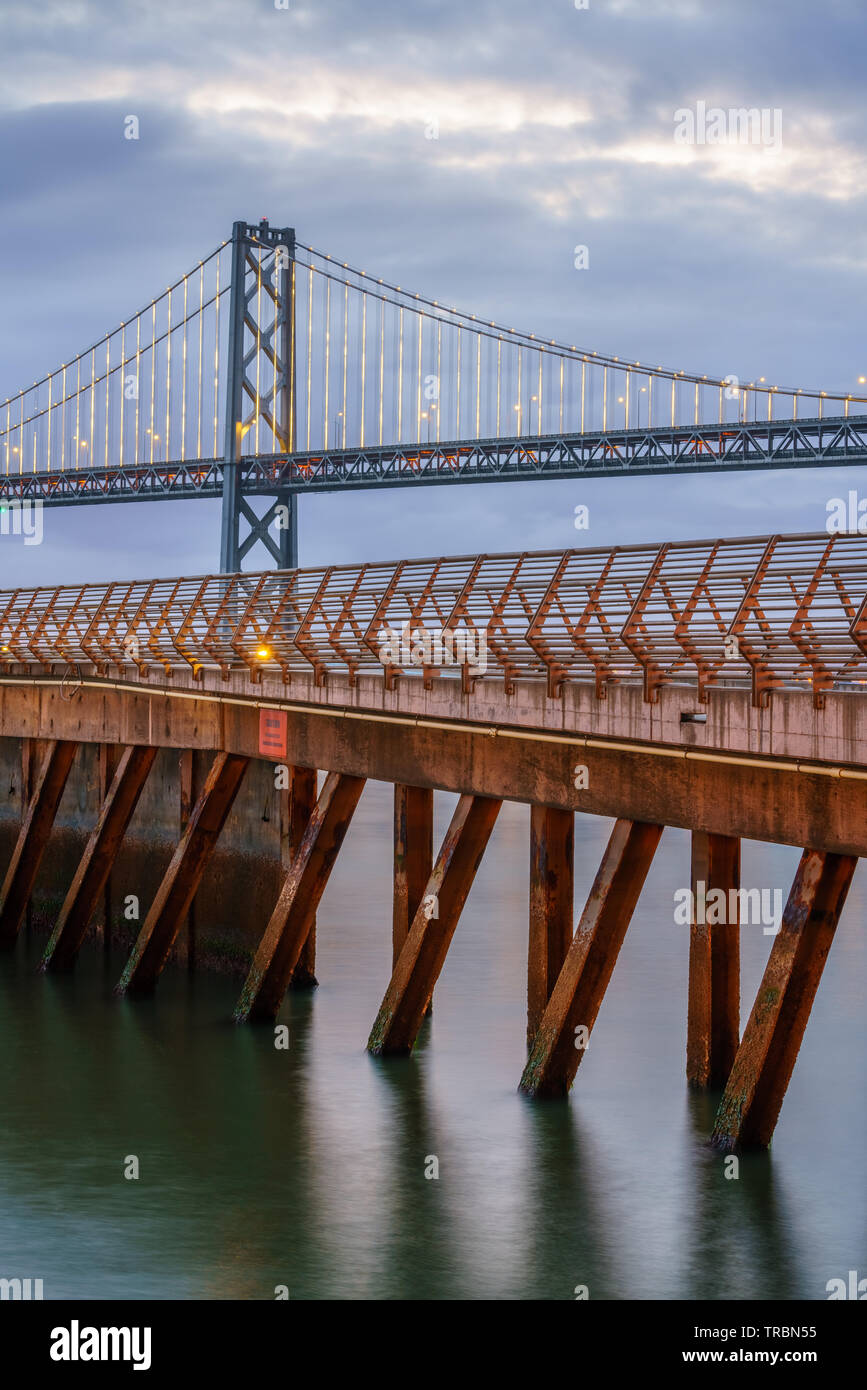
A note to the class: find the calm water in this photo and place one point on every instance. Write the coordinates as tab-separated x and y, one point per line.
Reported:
306	1168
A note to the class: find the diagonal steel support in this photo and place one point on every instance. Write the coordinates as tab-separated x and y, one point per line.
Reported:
99	856
425	949
183	876
33	838
765	1060
293	915
284	512
558	1048
297	805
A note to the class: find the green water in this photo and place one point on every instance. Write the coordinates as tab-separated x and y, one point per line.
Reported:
305	1168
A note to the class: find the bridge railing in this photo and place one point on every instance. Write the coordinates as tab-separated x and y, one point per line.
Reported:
772	610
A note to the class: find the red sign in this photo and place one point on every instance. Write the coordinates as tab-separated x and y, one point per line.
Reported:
272	733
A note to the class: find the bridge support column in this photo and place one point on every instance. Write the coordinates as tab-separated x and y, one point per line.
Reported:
260	255
33	752
557	1048
413	859
108	758
552	872
286	932
100	853
713	1013
424	951
189	791
184	874
288	531
297	805
765	1060
33	837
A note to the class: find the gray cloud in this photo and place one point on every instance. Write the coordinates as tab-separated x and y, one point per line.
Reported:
555	129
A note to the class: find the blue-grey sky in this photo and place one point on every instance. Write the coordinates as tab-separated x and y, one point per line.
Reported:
555	129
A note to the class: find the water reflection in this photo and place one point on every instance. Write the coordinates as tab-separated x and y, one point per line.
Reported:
306	1167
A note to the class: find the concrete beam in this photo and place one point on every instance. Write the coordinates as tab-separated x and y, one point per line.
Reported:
721	793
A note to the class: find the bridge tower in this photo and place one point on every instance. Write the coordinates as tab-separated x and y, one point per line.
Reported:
260	390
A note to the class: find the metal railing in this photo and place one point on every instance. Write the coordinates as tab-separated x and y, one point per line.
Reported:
774	611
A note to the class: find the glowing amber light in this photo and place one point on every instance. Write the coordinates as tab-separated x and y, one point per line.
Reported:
263	653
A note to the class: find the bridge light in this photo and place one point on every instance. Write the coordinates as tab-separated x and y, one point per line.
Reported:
263	653
862	379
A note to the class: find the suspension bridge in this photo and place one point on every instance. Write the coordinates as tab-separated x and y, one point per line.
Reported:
714	686
272	369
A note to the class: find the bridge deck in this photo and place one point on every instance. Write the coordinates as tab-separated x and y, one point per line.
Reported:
699	448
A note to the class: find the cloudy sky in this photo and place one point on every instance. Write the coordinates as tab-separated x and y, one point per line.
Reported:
556	128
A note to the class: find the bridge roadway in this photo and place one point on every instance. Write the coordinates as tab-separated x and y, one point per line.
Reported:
735	758
698	448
